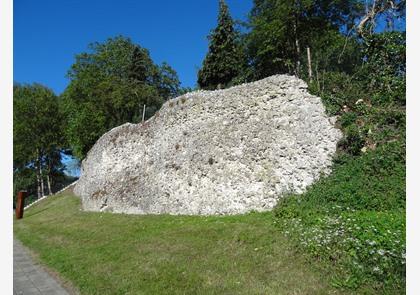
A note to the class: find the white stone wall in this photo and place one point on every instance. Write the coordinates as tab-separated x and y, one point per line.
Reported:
213	152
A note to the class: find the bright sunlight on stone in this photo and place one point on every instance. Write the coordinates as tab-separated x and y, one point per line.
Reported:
226	151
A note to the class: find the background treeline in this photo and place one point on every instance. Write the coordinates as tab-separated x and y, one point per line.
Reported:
108	87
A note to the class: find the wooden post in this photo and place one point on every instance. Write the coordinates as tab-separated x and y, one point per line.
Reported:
20	204
308	50
144	112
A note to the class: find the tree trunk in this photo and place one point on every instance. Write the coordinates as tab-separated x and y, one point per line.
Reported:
49	184
38	178
378	7
41	176
309	64
38	183
49	176
297	45
317	77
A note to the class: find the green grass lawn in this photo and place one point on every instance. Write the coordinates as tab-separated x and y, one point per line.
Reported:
105	253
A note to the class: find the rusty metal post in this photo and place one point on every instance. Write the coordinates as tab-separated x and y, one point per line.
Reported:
20	204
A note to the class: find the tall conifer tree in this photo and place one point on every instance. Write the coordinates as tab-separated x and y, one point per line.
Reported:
223	60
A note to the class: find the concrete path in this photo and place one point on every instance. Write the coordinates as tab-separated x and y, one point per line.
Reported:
30	278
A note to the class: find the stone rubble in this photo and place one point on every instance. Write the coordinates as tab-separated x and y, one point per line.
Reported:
226	151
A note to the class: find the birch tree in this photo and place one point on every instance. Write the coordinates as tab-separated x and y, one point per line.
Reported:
37	131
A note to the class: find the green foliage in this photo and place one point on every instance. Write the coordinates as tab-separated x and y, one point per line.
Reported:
281	31
167	81
224	59
366	247
38	136
37	123
355	217
24	179
373	181
109	86
370	102
353	141
331	51
386	66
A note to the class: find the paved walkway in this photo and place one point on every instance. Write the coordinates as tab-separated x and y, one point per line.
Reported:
30	278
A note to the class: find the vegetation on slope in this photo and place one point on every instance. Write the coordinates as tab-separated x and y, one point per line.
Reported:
355	218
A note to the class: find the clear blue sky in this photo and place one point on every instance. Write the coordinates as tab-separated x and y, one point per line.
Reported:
47	34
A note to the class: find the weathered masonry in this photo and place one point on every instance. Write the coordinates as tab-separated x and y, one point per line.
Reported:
213	152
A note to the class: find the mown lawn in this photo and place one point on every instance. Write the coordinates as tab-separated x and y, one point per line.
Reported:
104	253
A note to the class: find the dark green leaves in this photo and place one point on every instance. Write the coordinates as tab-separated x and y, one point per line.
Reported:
223	61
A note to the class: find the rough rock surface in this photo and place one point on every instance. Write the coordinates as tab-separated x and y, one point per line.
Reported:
213	152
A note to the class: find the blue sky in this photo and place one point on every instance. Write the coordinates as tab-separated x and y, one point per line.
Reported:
47	34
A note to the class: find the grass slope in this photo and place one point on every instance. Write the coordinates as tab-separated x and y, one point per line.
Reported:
355	220
104	253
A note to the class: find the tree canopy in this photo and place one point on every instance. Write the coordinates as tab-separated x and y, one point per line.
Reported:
38	137
223	60
280	32
109	86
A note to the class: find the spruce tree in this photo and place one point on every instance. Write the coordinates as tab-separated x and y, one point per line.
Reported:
222	62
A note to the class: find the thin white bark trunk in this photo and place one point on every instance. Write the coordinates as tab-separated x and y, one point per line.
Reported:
41	177
38	183
144	112
49	184
308	50
317	77
38	178
297	45
377	8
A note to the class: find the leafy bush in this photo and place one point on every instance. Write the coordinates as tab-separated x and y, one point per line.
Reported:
386	66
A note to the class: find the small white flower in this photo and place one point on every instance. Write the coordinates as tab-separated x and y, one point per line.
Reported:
370	242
